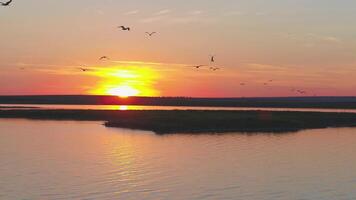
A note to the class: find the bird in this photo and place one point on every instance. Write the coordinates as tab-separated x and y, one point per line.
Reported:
84	69
6	3
198	66
124	28
301	91
242	84
103	57
212	59
150	34
214	68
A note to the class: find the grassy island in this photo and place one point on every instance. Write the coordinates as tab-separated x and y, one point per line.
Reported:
167	122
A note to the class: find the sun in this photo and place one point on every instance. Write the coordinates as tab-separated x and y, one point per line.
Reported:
126	82
123	91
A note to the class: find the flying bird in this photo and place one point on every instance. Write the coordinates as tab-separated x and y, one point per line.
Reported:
301	91
214	68
150	34
125	28
212	59
6	3
103	57
84	69
198	66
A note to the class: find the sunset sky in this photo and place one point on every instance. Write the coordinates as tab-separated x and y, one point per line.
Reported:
299	44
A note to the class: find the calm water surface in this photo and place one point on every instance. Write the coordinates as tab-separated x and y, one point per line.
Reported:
125	107
84	160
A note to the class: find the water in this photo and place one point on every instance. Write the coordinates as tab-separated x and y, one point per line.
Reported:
52	160
125	107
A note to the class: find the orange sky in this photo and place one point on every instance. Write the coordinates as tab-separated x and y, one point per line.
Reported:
310	48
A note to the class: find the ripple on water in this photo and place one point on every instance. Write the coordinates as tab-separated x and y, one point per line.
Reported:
81	160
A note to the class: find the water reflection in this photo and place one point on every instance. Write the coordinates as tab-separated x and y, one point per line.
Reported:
84	160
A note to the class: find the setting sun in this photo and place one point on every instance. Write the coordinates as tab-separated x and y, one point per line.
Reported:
126	82
123	91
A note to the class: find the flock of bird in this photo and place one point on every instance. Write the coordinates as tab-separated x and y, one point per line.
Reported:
150	34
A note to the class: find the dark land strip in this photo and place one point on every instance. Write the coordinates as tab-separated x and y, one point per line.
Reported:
175	121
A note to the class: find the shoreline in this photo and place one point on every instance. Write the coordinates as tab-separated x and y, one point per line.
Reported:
326	102
196	122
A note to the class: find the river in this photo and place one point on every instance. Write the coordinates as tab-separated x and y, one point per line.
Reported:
52	160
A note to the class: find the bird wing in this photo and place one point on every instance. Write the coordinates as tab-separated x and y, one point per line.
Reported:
7	3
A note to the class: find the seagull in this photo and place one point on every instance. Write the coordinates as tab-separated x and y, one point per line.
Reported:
150	34
301	91
6	3
212	59
198	66
214	68
103	57
125	28
84	69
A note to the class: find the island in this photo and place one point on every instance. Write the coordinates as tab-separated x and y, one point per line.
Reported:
195	121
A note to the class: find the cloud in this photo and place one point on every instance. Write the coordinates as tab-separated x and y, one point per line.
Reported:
234	13
132	12
324	38
99	12
196	12
142	63
151	19
163	12
191	19
311	39
264	67
261	13
330	39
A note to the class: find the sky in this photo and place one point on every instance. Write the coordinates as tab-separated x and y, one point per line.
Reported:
262	48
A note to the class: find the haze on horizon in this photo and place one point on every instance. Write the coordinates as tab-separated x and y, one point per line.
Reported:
306	45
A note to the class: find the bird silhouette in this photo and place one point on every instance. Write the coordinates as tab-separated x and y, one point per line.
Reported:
301	91
103	57
125	28
150	34
84	69
198	66
214	68
6	3
212	59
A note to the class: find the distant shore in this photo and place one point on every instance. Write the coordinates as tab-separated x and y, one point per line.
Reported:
263	102
196	122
